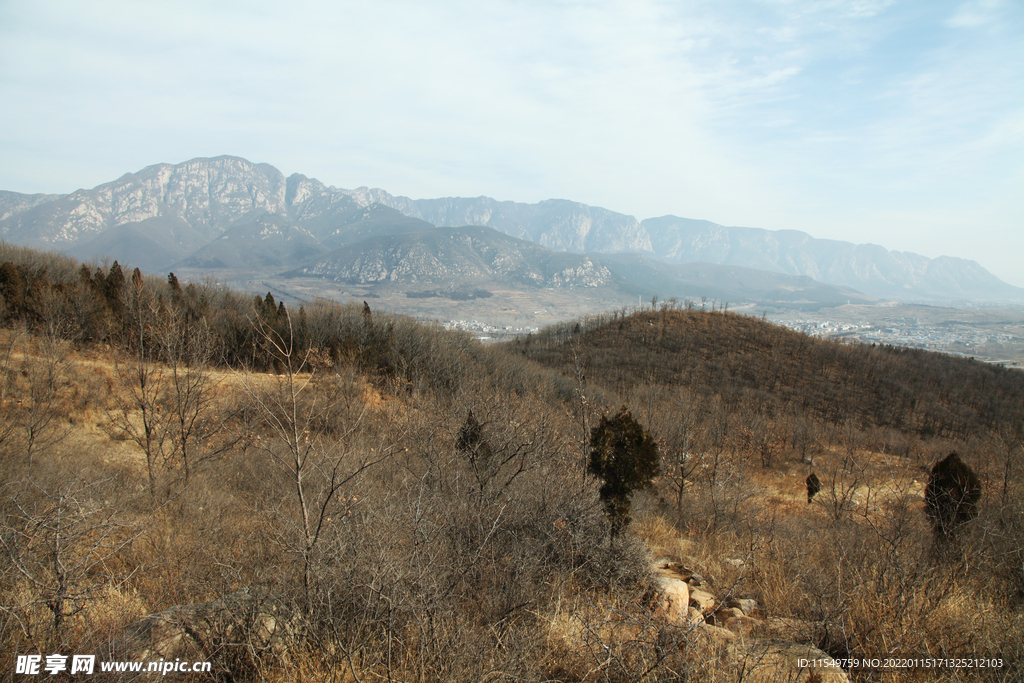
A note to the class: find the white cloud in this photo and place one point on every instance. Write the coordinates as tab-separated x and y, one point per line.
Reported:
975	13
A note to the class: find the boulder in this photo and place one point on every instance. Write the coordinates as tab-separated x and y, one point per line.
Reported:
724	614
663	564
741	624
702	600
239	624
715	635
746	605
828	634
675	570
672	600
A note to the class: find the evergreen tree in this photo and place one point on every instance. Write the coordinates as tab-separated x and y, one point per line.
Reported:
12	289
952	495
625	457
172	282
114	284
471	439
813	486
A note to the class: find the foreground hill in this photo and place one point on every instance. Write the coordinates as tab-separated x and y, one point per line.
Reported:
194	473
171	213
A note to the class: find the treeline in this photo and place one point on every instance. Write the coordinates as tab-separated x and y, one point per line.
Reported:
94	305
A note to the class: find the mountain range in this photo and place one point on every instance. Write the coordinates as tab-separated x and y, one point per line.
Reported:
227	213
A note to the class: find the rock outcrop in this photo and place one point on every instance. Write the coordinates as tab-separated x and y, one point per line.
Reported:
239	625
725	628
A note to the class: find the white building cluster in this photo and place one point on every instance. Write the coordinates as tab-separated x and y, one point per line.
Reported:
908	332
477	326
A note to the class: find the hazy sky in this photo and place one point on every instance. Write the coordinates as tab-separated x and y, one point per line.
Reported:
894	122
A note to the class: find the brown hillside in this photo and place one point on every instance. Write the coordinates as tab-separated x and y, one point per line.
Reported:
338	493
753	364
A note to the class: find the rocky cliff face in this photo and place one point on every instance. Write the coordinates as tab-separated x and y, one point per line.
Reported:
868	268
455	256
224	212
557	224
13	203
208	194
167	212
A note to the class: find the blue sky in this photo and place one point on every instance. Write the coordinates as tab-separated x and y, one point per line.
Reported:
897	123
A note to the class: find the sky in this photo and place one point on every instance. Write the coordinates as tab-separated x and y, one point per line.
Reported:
891	122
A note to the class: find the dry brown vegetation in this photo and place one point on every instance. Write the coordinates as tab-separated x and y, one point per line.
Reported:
169	446
746	410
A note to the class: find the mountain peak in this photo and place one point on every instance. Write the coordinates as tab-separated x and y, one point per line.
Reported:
184	206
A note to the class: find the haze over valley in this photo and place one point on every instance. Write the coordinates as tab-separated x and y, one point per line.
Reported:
498	266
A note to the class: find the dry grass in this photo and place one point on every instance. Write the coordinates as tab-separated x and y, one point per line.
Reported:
861	580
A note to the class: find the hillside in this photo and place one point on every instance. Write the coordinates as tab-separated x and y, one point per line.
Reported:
465	257
752	365
195	473
647	276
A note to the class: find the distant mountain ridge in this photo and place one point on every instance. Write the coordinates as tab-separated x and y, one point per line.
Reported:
869	268
558	224
484	259
866	267
227	212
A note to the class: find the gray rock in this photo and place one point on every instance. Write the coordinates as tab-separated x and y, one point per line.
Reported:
239	623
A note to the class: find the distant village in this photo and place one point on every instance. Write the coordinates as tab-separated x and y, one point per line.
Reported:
958	340
486	332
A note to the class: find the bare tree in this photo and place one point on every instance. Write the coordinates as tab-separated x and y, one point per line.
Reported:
39	413
143	384
766	438
166	403
1008	443
679	429
60	541
499	448
579	375
839	483
307	439
802	438
186	348
7	422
